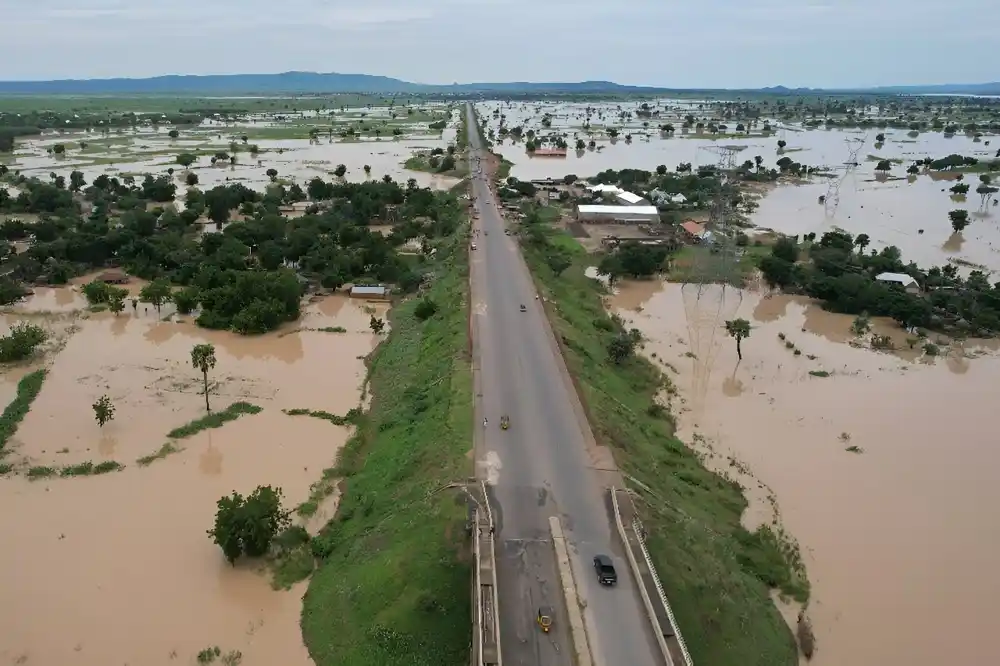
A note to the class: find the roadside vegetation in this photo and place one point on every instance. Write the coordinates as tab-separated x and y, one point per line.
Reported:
392	581
717	575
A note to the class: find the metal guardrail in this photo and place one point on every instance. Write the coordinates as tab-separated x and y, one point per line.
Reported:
637	526
643	592
486	622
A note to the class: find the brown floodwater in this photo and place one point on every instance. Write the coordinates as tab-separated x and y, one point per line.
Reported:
910	213
297	160
118	568
900	538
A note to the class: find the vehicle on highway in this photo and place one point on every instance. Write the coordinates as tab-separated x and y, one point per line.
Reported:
504	422
544	619
605	568
523	309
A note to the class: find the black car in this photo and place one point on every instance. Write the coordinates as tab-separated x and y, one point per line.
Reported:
606	574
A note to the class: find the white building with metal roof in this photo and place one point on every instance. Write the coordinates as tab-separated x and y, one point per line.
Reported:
617	214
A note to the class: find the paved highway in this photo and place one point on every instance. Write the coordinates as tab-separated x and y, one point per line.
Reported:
541	466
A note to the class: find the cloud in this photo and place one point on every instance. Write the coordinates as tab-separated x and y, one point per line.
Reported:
709	43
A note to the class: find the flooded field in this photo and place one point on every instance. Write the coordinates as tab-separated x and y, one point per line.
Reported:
297	160
120	568
908	211
882	465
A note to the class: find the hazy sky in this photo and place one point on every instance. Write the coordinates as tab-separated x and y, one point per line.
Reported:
702	43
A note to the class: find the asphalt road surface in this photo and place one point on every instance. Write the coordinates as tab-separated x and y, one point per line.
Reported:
540	467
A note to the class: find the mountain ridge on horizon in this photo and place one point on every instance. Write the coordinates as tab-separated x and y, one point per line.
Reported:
334	82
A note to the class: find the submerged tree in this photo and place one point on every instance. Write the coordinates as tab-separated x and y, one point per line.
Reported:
739	329
959	219
247	526
203	358
104	411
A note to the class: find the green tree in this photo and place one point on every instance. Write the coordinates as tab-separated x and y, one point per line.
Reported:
368	170
21	342
248	526
622	346
611	266
862	241
186	300
272	173
173	134
191	179
96	292
781	144
104	411
203	359
186	159
76	181
959	219
739	329
156	293
340	171
883	166
880	138
116	299
377	325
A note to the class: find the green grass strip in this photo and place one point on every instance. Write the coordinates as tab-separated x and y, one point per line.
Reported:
160	454
392	585
214	420
27	390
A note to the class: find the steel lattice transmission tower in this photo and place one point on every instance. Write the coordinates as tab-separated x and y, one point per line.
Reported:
832	198
716	261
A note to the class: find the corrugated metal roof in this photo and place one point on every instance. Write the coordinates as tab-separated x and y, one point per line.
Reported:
618	210
368	290
629	197
693	228
901	278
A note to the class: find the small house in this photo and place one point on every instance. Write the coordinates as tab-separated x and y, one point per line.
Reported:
370	292
113	277
694	230
907	282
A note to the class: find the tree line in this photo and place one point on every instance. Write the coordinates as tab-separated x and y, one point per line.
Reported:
837	271
248	277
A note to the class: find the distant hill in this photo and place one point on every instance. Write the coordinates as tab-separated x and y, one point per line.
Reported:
332	82
943	89
291	82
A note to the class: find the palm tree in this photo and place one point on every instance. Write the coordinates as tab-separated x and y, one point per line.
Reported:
739	329
203	358
862	241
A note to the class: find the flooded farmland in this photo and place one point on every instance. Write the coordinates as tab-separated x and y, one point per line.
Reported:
882	465
297	160
121	569
908	211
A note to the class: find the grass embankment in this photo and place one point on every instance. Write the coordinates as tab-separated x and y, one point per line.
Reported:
392	586
716	574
